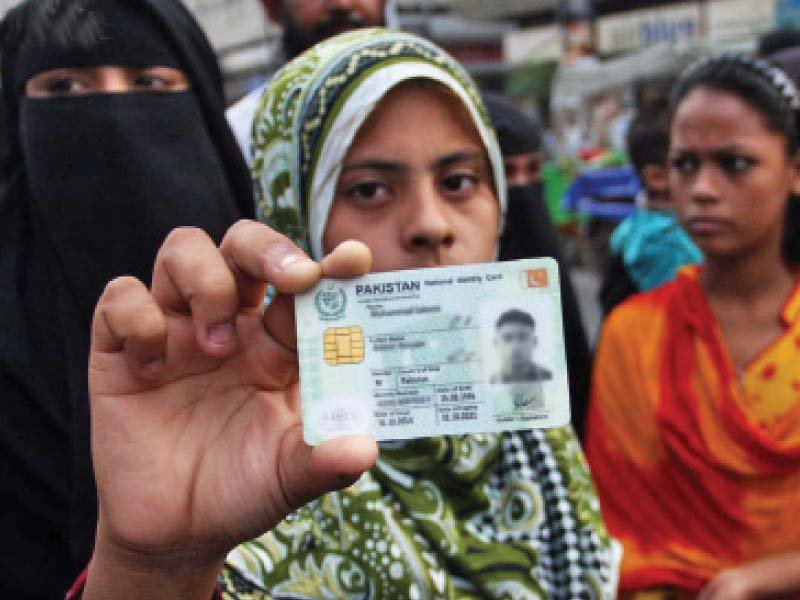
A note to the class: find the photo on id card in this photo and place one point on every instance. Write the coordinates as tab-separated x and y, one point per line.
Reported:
519	341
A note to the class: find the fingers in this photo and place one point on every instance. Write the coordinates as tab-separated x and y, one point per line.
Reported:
279	321
341	461
258	255
349	259
192	277
128	319
307	473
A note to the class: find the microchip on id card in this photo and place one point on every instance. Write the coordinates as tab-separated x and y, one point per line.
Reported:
344	346
444	351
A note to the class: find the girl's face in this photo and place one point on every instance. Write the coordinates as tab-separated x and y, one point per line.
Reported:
105	80
416	185
731	177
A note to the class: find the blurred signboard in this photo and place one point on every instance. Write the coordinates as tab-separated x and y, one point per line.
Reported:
689	21
532	44
740	19
640	28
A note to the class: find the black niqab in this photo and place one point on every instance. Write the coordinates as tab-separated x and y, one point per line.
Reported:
93	184
517	133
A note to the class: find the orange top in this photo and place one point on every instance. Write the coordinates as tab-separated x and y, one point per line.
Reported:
697	467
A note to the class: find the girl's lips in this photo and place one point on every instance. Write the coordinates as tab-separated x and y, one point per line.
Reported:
706	226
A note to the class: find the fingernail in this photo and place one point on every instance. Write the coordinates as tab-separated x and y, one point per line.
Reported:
282	256
220	334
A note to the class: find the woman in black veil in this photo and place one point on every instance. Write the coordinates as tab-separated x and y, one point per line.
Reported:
93	177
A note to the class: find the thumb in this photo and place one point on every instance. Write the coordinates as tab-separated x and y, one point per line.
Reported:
330	466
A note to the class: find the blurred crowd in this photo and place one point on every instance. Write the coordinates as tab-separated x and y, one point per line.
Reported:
151	438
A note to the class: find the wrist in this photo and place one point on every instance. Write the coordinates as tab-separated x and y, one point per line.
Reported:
123	574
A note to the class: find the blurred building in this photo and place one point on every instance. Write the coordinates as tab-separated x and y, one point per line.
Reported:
577	60
621	26
476	43
495	37
248	45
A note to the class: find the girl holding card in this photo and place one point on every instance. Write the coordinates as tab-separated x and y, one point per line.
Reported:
372	136
694	435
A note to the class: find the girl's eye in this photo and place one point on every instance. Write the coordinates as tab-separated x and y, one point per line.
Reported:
369	192
459	183
151	82
734	164
160	79
62	86
685	165
148	81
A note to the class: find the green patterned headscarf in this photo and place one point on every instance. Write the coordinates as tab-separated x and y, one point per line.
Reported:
509	516
313	108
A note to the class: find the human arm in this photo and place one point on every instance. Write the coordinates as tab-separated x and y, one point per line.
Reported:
775	577
196	435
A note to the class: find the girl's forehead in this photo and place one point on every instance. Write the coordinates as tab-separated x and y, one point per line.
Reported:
418	117
713	116
708	100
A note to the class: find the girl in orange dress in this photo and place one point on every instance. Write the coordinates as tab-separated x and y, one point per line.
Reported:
694	429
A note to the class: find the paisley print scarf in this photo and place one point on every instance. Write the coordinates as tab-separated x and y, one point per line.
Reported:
511	515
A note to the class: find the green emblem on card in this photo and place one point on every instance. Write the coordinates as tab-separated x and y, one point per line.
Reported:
330	302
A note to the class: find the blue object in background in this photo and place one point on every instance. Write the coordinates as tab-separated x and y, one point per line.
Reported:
788	13
653	247
587	193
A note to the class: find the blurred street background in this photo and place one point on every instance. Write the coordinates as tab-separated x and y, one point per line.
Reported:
580	68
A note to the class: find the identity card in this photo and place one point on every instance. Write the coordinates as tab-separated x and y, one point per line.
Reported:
428	352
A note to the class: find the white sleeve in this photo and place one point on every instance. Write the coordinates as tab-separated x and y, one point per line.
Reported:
240	117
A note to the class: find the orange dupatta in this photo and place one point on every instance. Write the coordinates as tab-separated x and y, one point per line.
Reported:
697	467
